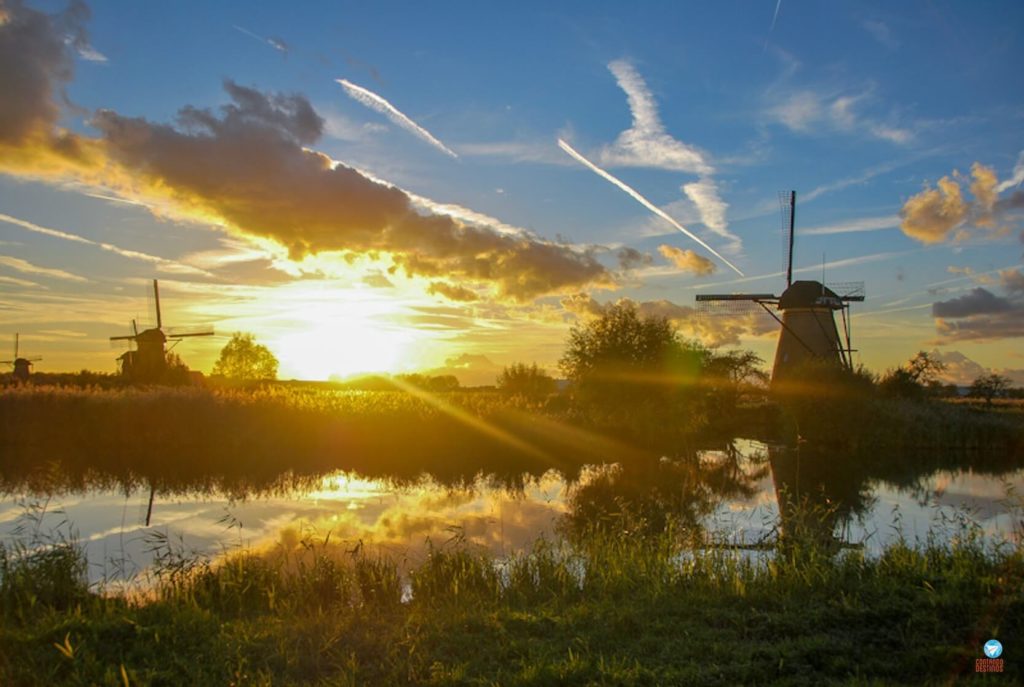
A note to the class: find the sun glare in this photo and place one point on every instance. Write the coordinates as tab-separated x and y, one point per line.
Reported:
340	333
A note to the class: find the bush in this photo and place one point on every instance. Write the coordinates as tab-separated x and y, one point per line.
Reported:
520	379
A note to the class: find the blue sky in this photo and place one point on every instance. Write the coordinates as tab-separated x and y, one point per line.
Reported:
706	109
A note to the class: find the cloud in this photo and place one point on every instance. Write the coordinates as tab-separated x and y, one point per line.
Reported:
275	43
1018	175
1012	280
978	301
855	226
376	102
377	281
647	144
26	267
809	112
881	32
643	201
931	215
452	292
631	258
962	370
472	369
980	315
687	260
249	168
704	195
939	214
162	264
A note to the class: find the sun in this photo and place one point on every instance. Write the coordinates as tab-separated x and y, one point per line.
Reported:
341	334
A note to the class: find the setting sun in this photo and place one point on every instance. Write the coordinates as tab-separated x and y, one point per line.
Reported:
330	332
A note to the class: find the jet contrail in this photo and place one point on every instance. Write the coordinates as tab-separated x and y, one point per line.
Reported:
275	43
375	102
643	201
170	265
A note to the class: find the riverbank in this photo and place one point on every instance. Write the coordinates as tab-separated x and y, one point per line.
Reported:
605	610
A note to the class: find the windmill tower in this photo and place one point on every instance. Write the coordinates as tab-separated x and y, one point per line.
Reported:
148	362
22	366
805	311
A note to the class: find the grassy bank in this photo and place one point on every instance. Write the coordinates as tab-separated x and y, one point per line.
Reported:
607	610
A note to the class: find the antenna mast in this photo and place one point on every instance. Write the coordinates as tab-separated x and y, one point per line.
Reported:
792	226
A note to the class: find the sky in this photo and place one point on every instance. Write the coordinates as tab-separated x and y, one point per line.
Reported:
449	187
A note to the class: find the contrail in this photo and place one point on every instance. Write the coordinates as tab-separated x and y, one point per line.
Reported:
170	265
775	16
375	102
275	43
643	201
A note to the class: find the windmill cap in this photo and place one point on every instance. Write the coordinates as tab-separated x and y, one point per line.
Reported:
808	294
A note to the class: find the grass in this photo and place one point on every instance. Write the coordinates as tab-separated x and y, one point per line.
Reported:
607	610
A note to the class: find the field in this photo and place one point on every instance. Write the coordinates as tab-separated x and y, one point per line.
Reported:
621	596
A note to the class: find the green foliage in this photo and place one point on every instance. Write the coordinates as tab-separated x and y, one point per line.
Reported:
529	381
622	357
242	359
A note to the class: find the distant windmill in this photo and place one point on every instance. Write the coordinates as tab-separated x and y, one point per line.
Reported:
22	366
148	362
808	326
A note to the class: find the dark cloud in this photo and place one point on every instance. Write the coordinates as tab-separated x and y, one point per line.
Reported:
452	292
977	301
980	315
1012	280
631	258
249	168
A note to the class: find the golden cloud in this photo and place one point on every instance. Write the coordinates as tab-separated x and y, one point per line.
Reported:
249	169
686	260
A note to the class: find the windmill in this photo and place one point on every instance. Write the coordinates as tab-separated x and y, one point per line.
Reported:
805	312
22	366
148	362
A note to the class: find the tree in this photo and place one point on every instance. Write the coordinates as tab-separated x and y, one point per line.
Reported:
730	375
989	387
520	379
622	356
908	381
244	359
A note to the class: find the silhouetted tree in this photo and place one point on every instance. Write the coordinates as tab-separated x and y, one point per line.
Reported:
520	379
244	359
989	387
908	381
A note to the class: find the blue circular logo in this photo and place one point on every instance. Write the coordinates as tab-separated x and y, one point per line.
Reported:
993	648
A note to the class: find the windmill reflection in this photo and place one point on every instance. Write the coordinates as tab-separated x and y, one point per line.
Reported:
818	494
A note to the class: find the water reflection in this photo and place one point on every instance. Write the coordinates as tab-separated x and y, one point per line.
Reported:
745	493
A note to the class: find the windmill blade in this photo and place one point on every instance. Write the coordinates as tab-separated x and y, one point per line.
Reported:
188	334
16	335
156	295
703	297
787	207
130	337
35	359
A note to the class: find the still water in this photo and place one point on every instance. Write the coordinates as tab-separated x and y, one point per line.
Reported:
745	495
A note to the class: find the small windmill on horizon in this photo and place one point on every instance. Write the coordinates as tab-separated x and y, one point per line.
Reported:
148	362
22	366
805	312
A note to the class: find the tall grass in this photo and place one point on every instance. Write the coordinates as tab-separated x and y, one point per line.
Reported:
609	608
